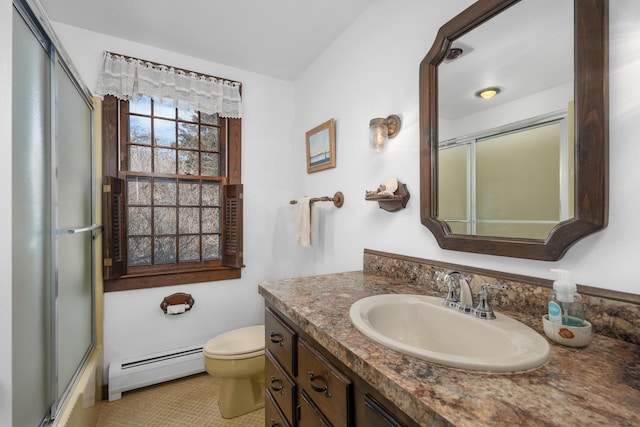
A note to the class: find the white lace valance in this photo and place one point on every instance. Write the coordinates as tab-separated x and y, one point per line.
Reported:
130	78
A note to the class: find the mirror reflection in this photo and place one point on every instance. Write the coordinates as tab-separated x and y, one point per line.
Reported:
506	163
540	202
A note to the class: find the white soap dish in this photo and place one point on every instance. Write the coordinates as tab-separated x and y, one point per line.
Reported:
571	336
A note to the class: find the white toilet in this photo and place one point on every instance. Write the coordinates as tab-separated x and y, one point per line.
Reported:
237	357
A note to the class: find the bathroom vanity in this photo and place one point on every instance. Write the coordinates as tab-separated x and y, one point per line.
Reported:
322	371
307	386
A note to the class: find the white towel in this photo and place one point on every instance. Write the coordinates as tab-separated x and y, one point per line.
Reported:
303	222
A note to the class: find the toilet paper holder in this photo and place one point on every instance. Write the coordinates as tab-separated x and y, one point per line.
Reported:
177	303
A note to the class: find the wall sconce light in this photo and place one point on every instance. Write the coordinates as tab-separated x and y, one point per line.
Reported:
380	130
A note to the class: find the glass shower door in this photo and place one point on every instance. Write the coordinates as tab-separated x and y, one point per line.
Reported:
52	230
31	228
74	230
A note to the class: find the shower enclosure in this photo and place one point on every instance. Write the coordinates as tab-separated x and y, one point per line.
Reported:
52	221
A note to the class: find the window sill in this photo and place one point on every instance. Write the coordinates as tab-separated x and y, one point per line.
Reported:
126	283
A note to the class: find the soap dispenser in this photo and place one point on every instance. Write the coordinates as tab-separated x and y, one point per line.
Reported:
565	303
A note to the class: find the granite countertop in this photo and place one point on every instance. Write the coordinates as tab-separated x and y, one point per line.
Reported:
598	385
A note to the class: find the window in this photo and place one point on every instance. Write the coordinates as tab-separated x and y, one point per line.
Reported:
172	195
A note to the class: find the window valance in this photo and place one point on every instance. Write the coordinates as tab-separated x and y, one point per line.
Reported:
131	78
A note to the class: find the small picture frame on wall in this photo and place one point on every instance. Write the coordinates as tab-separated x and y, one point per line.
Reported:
321	147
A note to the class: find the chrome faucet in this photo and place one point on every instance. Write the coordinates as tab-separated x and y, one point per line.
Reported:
463	300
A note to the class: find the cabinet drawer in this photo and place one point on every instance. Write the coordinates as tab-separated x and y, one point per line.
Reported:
376	415
272	415
281	388
280	340
310	416
328	389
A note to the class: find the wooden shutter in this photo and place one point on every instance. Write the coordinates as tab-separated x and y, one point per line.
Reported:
232	246
113	240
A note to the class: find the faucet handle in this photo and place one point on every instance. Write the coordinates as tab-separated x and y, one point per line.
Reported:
451	300
486	286
482	310
447	275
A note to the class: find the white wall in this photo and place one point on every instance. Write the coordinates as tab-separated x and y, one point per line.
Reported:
6	28
370	71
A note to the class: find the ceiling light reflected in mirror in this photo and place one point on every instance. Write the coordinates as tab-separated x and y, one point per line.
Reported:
488	93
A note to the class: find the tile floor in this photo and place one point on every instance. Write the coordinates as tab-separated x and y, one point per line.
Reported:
186	402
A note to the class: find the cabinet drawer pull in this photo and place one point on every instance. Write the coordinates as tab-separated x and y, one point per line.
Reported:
277	339
317	389
276	385
274	423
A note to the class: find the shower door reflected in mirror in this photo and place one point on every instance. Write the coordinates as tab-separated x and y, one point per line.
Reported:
516	182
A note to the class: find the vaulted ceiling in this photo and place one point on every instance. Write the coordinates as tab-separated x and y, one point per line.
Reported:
278	38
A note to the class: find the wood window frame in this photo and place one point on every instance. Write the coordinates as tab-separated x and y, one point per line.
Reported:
115	271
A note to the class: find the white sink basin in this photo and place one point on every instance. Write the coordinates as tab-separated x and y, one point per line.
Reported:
420	326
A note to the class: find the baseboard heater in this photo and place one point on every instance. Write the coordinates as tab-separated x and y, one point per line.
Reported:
153	369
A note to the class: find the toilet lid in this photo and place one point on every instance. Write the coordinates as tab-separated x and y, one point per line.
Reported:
238	343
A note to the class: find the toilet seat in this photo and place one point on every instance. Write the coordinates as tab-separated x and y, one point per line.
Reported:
242	343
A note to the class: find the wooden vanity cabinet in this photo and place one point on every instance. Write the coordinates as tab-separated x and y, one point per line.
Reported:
280	388
281	341
308	387
371	412
327	390
280	370
272	413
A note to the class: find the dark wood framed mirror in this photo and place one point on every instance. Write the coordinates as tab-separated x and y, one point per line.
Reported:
590	133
